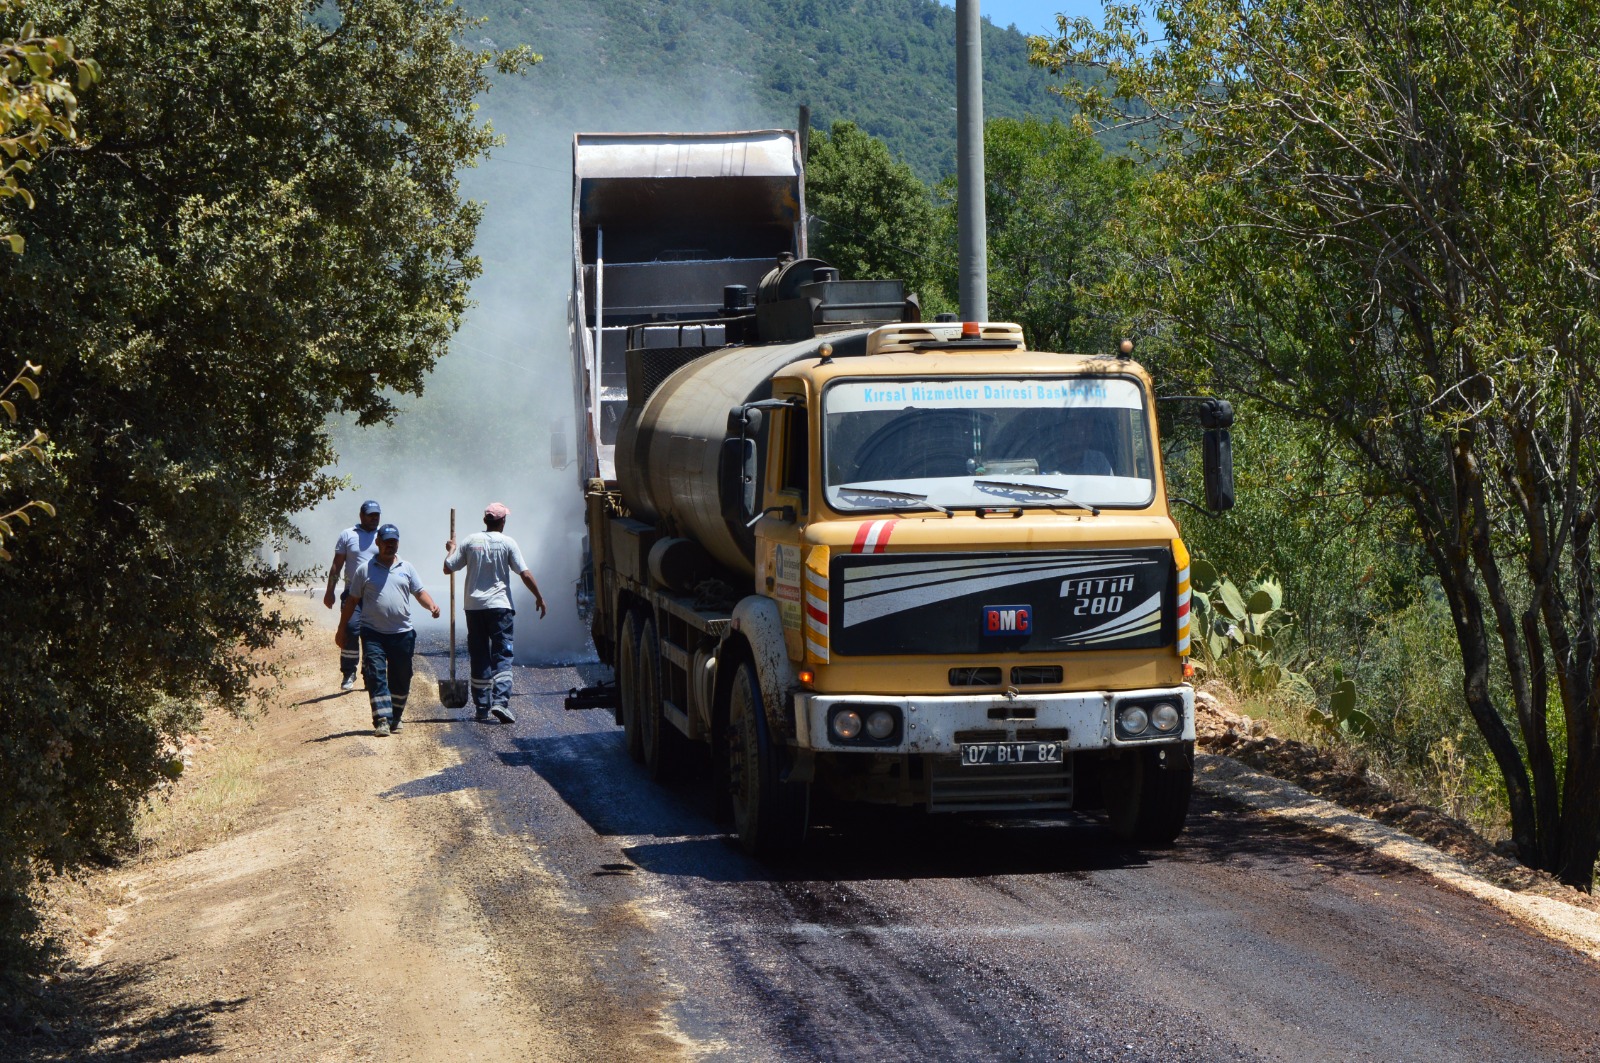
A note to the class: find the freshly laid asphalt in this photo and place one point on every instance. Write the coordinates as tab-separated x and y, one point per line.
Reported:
897	935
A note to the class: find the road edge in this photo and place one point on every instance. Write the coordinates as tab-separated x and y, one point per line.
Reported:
1576	927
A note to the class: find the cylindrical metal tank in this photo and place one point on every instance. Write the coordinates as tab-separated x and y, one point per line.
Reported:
668	449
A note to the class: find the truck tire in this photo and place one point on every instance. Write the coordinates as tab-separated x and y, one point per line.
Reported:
662	745
1147	794
628	685
769	815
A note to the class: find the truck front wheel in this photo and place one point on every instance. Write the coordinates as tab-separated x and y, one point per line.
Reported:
628	684
1147	793
769	815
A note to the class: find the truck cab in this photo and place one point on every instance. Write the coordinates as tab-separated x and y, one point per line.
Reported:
981	588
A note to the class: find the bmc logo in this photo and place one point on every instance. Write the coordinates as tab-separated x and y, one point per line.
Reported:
1007	620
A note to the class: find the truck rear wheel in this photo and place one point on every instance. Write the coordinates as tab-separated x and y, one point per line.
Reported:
1147	794
661	744
628	684
769	815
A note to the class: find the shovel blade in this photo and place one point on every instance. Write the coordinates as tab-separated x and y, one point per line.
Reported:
453	693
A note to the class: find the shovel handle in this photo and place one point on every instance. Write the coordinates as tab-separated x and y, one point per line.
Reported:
452	602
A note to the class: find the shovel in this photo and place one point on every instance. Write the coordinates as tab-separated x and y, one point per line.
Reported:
453	691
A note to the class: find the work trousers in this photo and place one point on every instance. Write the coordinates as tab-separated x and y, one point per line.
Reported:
489	649
350	656
387	669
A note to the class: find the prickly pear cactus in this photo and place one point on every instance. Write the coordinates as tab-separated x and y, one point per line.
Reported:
1236	630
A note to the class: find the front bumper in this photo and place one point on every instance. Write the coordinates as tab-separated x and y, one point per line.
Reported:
931	722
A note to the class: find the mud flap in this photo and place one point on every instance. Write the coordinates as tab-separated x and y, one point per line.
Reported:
757	619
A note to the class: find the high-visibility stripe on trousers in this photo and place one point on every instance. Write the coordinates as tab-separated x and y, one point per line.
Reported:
350	655
387	669
489	650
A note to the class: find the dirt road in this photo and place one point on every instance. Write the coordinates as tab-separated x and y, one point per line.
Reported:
482	892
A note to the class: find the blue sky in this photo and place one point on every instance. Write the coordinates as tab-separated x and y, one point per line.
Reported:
1035	16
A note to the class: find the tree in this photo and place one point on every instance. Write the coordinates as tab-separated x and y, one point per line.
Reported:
1380	217
13	449
872	217
37	103
261	228
1052	198
37	107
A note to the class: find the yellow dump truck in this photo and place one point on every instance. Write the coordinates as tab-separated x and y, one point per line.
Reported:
842	550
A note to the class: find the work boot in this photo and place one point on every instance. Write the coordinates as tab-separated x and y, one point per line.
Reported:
394	723
482	714
502	713
349	683
380	726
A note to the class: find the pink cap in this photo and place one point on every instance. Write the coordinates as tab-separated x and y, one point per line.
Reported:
496	511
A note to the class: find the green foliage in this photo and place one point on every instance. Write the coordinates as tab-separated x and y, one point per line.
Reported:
1379	220
10	451
37	103
1410	673
872	216
1053	200
261	228
1342	716
1236	631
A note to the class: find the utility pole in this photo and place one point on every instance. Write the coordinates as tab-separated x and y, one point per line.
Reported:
973	222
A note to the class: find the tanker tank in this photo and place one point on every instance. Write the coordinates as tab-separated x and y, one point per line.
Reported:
669	445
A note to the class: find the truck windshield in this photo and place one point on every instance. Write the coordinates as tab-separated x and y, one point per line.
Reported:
987	442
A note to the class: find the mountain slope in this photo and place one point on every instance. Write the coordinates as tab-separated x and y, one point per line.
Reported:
887	65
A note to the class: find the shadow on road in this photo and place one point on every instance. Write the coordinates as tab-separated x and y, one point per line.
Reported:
96	1017
365	732
593	776
326	697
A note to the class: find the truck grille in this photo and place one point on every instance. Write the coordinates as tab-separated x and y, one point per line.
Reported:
892	601
996	788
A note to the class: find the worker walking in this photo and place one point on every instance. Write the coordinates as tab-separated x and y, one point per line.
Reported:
354	546
490	556
382	588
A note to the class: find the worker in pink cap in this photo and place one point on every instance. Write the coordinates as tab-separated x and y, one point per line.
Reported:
490	557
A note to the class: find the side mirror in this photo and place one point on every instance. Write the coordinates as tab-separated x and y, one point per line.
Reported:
748	474
1218	460
736	478
745	420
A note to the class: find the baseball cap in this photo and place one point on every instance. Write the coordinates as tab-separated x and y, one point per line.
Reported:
387	532
496	511
370	506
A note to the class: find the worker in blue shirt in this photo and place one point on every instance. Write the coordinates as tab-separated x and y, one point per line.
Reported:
354	546
382	588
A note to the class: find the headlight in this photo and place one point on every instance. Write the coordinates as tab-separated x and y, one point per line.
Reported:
880	724
1165	716
846	724
1133	720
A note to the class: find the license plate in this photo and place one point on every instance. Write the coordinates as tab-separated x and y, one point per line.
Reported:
974	754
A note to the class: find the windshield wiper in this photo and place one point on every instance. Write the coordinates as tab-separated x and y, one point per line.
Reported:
1040	489
904	496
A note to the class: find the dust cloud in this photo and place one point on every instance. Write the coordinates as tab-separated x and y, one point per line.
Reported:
496	420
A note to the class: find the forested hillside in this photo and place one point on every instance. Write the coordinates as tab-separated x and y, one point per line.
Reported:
886	65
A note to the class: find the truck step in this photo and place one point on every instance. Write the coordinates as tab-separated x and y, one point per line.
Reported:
600	696
954	787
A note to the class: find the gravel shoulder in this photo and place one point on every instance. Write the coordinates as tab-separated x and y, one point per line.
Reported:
334	920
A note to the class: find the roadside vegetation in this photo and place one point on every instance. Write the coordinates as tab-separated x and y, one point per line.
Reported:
1372	227
246	220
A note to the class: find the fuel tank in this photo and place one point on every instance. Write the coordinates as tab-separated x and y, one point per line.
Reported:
670	441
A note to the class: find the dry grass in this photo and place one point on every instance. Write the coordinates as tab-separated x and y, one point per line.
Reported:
209	802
